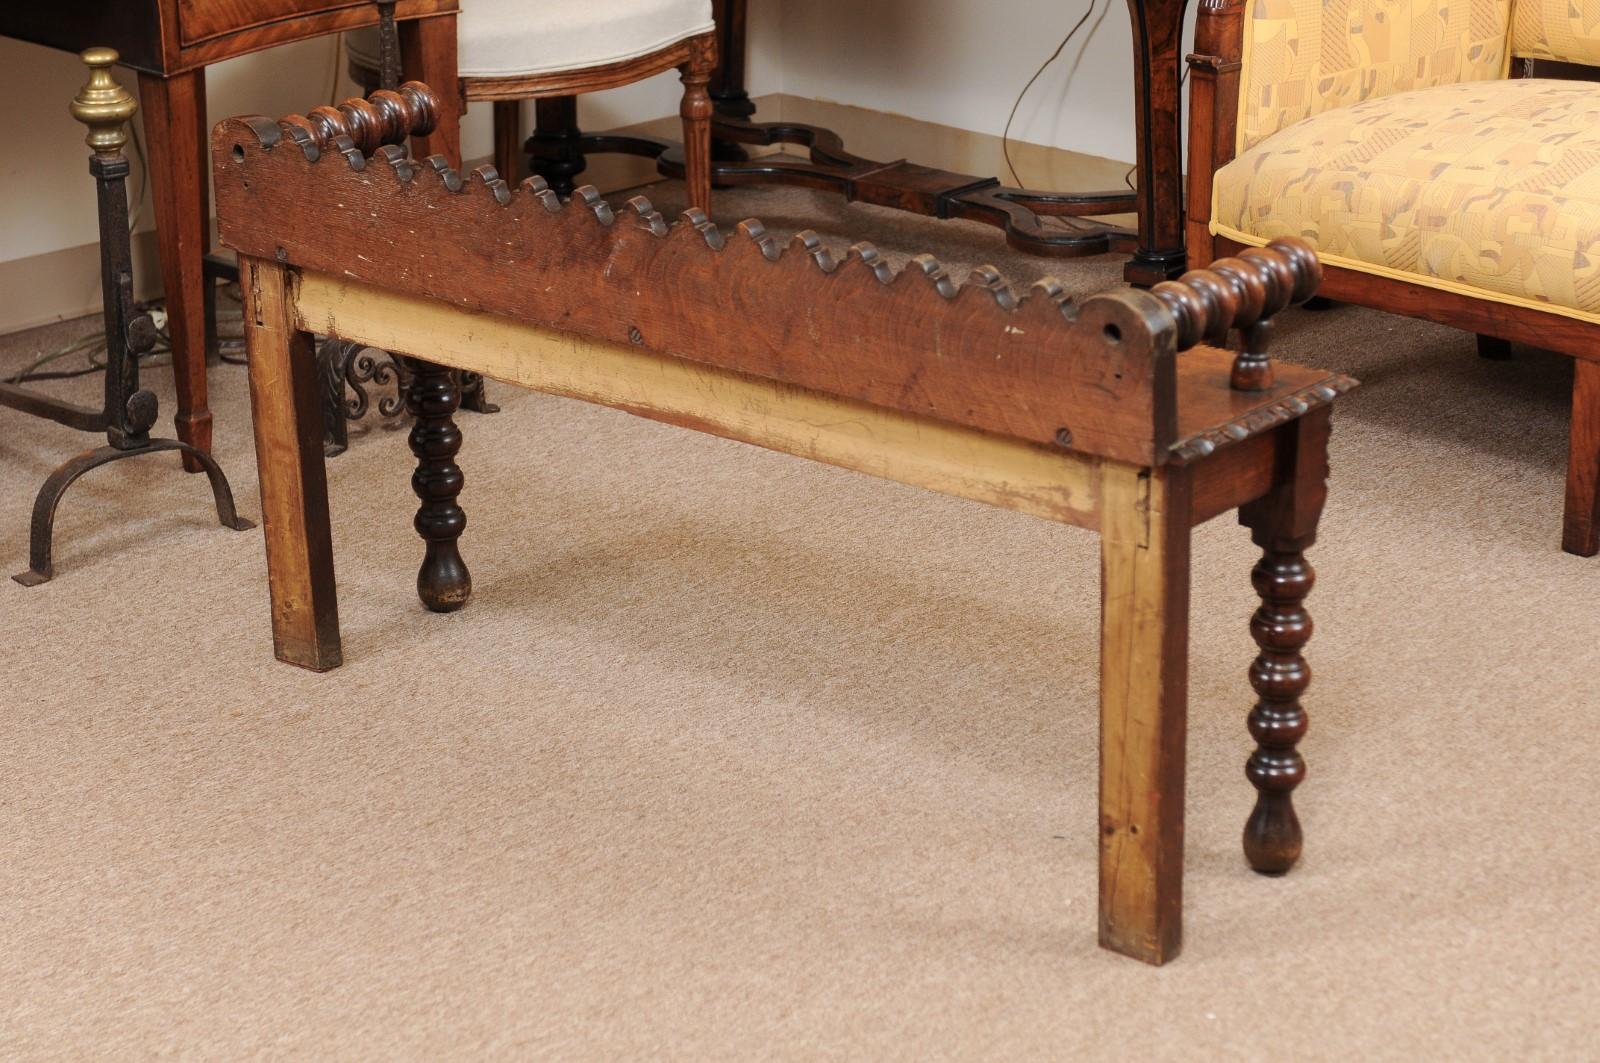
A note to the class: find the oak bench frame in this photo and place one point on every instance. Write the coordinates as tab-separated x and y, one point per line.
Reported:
1082	413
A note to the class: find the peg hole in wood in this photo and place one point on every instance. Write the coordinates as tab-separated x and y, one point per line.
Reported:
238	153
1113	333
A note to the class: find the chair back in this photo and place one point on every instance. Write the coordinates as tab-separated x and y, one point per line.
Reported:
1303	57
1567	31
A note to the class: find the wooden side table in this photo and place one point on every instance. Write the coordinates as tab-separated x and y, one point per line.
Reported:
170	43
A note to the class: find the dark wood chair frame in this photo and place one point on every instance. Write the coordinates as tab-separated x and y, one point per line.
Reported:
1079	413
558	148
1213	125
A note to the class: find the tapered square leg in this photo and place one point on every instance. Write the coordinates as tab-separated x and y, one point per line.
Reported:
175	128
286	400
1581	527
1144	668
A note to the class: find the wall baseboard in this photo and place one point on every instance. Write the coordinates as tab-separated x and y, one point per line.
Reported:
64	284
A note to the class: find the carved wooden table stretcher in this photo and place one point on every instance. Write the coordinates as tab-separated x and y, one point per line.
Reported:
1079	413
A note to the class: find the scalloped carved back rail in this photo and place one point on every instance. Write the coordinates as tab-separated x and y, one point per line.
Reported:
1097	377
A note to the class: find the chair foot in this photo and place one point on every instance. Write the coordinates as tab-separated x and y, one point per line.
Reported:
1581	525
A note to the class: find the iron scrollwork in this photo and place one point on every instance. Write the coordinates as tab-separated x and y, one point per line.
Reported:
360	378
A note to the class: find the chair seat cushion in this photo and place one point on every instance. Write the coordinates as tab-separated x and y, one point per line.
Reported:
521	38
1488	188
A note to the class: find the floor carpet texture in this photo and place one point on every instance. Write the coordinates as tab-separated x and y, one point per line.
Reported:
737	757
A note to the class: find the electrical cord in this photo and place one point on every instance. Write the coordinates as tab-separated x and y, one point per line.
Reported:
1005	136
93	348
95	342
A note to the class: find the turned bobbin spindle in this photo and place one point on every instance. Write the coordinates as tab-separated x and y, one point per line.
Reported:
443	583
1280	675
1243	293
386	117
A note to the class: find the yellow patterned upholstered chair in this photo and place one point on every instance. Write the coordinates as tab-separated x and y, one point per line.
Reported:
1407	142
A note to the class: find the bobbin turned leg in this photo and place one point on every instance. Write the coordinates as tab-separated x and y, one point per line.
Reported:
1144	650
1284	525
443	583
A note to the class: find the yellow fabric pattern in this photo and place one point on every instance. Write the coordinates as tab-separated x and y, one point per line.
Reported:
1490	187
1303	57
1568	30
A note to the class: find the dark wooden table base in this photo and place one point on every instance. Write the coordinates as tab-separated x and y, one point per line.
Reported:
935	193
1156	247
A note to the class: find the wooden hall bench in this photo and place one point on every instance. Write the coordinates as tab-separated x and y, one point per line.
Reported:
1079	413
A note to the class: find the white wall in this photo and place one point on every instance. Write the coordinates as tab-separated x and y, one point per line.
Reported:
962	63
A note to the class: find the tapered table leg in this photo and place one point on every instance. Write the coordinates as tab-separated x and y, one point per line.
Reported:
1144	649
1157	63
428	53
286	400
175	129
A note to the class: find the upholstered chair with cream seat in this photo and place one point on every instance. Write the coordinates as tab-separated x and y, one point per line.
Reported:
550	51
1407	142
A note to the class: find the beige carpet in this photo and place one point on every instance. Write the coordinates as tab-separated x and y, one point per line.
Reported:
735	757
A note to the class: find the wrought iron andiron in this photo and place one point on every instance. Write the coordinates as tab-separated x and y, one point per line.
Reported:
105	107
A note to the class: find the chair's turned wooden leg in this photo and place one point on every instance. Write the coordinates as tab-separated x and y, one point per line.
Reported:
1581	527
286	398
508	140
443	582
696	111
1284	525
1494	348
1144	648
175	126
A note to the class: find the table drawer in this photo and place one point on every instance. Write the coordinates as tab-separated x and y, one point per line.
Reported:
200	20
